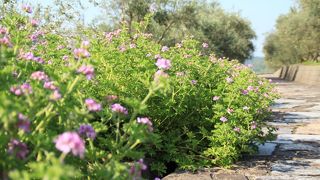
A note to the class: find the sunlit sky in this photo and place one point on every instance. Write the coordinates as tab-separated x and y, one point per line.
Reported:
261	13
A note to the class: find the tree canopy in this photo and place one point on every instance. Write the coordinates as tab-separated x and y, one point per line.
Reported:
227	34
297	35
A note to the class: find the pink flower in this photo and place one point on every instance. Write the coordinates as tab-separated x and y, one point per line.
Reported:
146	121
40	76
160	74
163	64
65	57
50	85
164	48
26	88
34	22
27	56
55	95
122	48
157	56
194	82
236	129
81	53
5	41
70	142
132	46
16	90
92	105
253	125
229	110
23	123
229	80
216	98
117	108
111	98
85	44
18	148
223	119
26	8
87	70
3	30
205	45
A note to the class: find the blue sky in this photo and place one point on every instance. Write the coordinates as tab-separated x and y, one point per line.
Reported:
261	13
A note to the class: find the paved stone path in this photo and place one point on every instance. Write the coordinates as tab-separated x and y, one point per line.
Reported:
294	155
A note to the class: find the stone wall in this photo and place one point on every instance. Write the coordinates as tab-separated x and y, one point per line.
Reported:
300	73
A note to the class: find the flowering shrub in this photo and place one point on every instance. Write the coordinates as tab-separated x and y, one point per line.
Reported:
114	106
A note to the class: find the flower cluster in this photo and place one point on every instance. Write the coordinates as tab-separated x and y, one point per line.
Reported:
18	149
92	105
23	89
118	108
87	70
23	123
70	142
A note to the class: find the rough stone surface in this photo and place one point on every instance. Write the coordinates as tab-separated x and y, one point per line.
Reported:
294	155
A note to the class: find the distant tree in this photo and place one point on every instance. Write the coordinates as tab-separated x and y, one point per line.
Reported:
297	35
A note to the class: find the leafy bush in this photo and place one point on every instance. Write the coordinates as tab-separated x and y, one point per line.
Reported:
107	105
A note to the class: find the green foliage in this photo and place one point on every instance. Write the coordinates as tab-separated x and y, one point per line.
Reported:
201	110
296	38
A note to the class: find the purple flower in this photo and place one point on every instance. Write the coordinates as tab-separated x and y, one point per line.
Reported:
223	119
55	95
70	142
244	92
50	85
40	76
87	130
117	108
163	63
65	57
18	149
92	105
146	121
193	82
87	70
164	48
26	8
39	60
27	56
81	53
250	88
215	98
229	80
205	45
153	8
23	123
5	41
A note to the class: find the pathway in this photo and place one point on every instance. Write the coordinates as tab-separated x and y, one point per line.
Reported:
294	155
